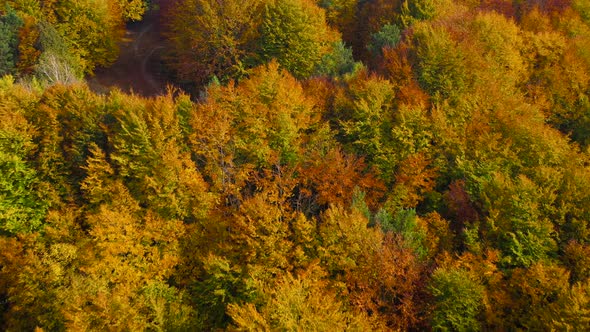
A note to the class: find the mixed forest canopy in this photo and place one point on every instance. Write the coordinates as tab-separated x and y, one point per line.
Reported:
367	165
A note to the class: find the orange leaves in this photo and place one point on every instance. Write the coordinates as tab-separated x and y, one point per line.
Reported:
414	178
397	67
459	202
27	53
387	283
333	177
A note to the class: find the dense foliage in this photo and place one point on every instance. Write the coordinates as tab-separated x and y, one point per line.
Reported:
347	165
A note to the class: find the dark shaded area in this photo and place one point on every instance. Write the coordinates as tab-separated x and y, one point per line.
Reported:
138	68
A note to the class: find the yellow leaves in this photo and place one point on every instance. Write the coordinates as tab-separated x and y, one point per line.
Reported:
132	10
261	230
547	47
149	150
258	123
302	303
345	236
96	185
127	251
247	318
503	45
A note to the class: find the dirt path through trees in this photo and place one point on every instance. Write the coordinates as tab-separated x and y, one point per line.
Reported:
137	68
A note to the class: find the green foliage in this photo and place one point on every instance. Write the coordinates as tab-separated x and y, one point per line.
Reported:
388	36
405	223
166	310
221	284
516	222
148	150
269	115
443	186
417	10
458	300
295	33
22	205
10	22
22	209
339	62
365	120
441	67
56	64
582	7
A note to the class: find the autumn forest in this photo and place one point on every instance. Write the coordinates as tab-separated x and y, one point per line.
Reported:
313	165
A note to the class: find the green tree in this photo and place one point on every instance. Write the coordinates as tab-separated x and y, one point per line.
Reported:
295	33
516	222
458	300
10	23
92	30
148	150
338	62
22	205
388	36
441	66
417	10
57	64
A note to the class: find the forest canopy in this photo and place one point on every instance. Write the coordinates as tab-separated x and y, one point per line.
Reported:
331	165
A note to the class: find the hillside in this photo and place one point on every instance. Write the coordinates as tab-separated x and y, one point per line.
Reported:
298	165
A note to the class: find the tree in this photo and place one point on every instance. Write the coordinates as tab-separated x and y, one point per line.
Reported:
28	54
536	294
387	285
331	177
388	36
338	62
131	253
212	38
295	33
147	149
22	203
457	300
516	223
133	10
57	64
440	67
92	30
10	23
298	303
266	120
417	10
364	118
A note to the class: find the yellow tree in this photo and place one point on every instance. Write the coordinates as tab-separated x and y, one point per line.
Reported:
305	302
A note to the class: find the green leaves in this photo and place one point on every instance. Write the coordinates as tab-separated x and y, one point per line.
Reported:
524	235
388	36
22	209
295	33
10	22
441	67
458	300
